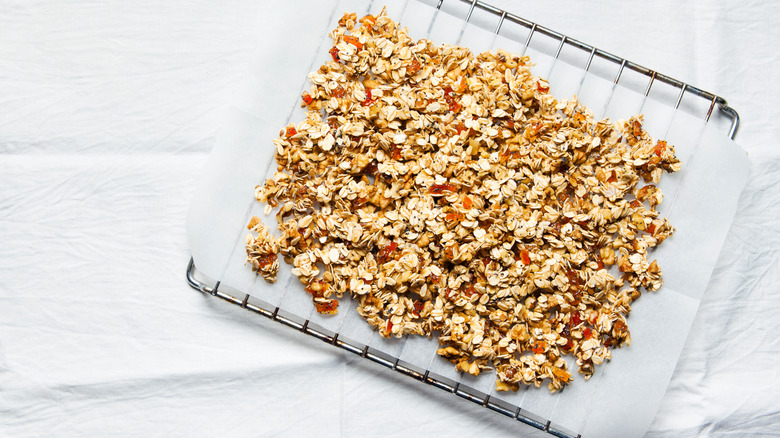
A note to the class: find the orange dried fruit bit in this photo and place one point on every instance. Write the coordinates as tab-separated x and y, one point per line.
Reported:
450	294
451	101
574	278
467	203
338	92
620	328
531	131
542	88
644	192
334	53
561	374
413	67
651	228
307	99
460	128
637	128
347	17
396	153
269	259
525	256
439	189
457	216
368	20
659	147
385	252
462	86
330	307
291	131
252	222
538	347
349	39
369	98
418	306
508	155
389	326
587	333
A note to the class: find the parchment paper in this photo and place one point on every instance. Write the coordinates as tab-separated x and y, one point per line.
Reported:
623	396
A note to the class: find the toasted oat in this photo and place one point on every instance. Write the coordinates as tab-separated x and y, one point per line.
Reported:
450	192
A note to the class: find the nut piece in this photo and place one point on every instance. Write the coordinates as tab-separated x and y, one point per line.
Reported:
450	192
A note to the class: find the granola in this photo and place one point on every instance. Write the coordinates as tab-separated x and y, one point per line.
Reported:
261	250
449	192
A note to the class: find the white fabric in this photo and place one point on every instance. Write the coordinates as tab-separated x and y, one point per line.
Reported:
107	115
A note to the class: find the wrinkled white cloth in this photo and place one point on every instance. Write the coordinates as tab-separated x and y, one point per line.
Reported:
107	114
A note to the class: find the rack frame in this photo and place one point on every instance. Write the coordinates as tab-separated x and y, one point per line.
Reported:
214	288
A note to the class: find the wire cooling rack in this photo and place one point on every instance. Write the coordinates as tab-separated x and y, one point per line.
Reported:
703	104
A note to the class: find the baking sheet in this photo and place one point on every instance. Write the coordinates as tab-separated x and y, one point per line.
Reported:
700	200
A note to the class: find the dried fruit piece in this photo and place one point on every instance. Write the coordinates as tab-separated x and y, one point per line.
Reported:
561	374
659	148
328	307
334	53
575	319
368	20
385	252
338	92
413	67
369	98
349	39
525	256
439	189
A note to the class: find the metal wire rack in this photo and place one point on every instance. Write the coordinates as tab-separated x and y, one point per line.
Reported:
213	287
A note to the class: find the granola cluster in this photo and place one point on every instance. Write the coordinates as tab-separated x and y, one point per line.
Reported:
261	250
449	192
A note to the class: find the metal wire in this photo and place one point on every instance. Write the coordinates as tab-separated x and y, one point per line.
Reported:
275	313
306	327
653	76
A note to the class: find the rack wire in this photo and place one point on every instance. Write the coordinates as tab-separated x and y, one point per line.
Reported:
534	28
275	313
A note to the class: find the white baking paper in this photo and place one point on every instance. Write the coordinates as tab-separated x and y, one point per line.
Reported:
621	399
